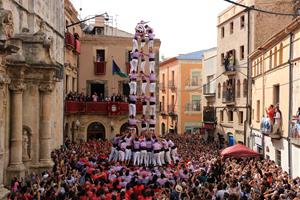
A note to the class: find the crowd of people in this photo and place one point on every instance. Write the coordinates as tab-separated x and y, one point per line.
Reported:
80	97
84	171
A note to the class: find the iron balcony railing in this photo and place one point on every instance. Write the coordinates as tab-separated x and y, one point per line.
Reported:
193	107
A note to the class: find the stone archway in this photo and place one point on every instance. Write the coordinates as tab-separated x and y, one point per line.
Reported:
163	128
95	130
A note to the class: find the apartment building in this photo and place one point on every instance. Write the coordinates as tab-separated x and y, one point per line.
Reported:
275	67
180	94
241	31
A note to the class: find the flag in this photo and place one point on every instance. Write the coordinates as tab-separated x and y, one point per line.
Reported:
116	70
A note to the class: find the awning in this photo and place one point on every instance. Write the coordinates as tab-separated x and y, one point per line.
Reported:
239	151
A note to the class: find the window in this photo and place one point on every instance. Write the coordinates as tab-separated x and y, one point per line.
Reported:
196	78
278	157
231	27
222	58
276	94
99	31
242	52
281	54
196	102
230	116
242	21
241	117
173	77
221	115
163	103
271	60
100	55
223	32
238	89
275	57
257	110
219	90
245	88
163	80
223	90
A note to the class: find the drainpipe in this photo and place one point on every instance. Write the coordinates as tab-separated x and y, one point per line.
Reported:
291	55
249	81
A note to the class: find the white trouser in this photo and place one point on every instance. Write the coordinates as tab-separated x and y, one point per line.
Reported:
143	44
121	156
156	159
148	158
132	109
162	157
174	154
144	86
152	109
116	156
151	66
135	45
144	109
136	158
168	157
143	63
112	154
150	43
152	87
133	64
143	157
132	86
127	154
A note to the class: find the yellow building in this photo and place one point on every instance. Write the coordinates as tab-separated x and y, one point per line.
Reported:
180	94
275	80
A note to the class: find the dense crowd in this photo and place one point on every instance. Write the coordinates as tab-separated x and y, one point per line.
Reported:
82	171
80	97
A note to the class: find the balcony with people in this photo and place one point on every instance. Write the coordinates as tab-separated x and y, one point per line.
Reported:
229	63
209	114
81	104
100	64
271	124
228	96
295	126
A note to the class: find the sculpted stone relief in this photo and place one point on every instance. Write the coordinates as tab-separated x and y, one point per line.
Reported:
6	24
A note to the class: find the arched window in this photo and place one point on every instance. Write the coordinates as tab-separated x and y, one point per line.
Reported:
223	90
245	88
238	89
275	57
219	90
271	60
281	54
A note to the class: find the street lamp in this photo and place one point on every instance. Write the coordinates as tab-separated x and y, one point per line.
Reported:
105	15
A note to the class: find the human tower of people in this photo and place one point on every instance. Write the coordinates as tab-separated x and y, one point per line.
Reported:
143	151
143	35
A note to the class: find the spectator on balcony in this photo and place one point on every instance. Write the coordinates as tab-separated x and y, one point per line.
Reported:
231	62
270	113
226	63
277	121
119	98
107	98
101	97
95	97
113	98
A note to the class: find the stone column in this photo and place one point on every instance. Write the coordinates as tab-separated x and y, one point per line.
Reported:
45	125
16	166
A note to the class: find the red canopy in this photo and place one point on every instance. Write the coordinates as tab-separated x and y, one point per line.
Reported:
239	151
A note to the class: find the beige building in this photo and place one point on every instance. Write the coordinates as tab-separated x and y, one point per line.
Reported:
234	30
275	80
100	45
180	80
209	78
32	39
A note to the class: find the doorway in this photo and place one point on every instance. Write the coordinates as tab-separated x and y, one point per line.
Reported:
98	88
95	131
163	129
126	89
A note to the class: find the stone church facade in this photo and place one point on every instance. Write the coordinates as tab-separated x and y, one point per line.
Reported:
31	85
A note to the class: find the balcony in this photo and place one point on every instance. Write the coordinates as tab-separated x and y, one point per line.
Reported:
192	107
162	87
100	67
99	108
209	114
162	109
171	110
69	41
295	132
228	96
193	83
271	130
209	90
172	85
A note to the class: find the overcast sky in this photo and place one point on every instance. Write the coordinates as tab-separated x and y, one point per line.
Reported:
183	26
